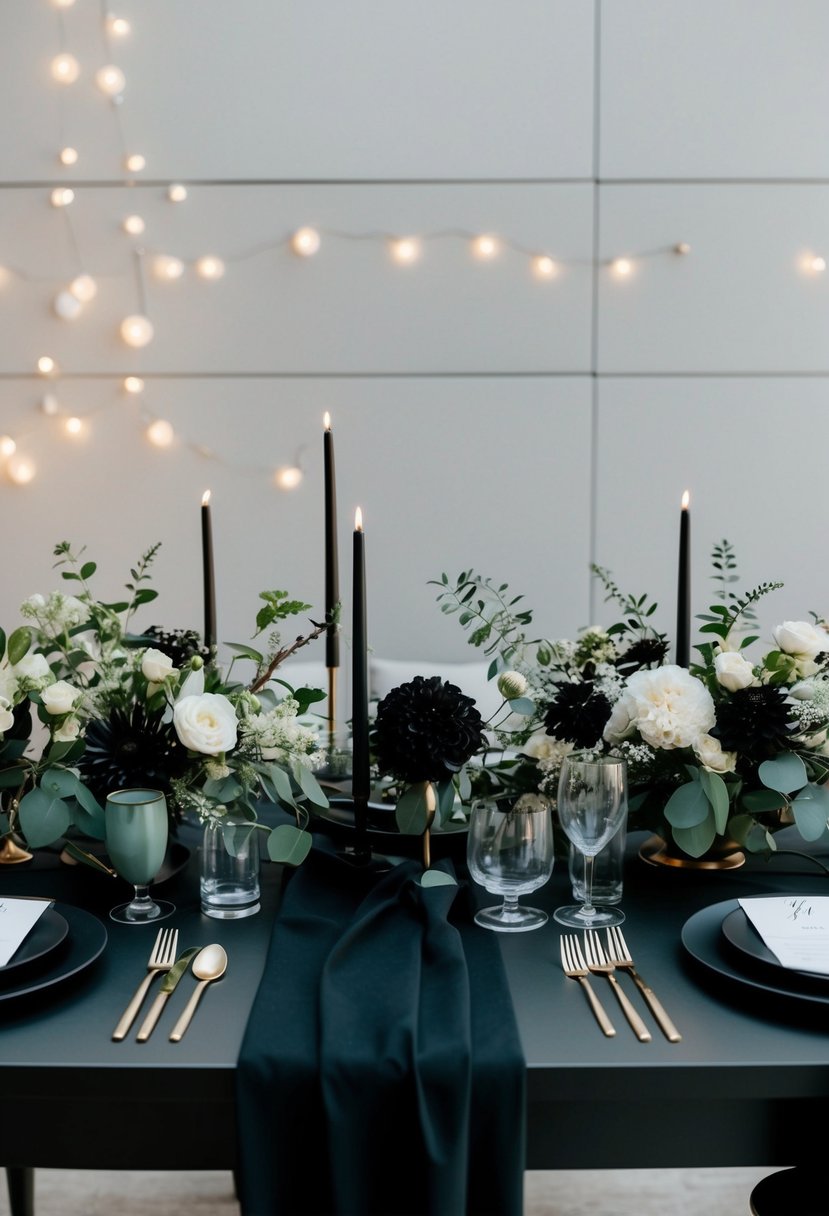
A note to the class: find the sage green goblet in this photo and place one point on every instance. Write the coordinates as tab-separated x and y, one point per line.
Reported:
136	841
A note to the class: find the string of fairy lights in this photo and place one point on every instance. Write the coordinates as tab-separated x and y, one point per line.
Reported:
136	330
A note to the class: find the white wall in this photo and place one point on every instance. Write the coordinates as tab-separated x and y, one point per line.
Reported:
482	416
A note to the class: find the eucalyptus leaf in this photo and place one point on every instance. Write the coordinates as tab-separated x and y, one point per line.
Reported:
236	836
522	705
717	793
415	808
19	643
4	823
749	833
811	811
43	818
280	783
223	789
11	777
247	652
289	844
89	821
437	878
309	785
688	806
786	772
698	839
59	782
762	800
446	799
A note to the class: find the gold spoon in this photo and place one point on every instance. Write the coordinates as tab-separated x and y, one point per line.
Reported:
209	964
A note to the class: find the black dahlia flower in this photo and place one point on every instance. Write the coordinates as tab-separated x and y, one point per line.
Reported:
646	652
578	714
128	749
754	722
426	730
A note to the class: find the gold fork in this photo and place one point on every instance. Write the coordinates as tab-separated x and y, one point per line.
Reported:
598	963
573	966
618	952
162	957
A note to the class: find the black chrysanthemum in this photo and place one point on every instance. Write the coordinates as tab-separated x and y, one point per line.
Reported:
578	714
754	722
646	652
181	645
426	730
130	749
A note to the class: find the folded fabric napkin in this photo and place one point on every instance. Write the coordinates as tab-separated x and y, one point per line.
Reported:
381	1072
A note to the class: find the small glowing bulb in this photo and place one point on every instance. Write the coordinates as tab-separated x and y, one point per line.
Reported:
63	3
119	27
177	193
621	267
405	250
135	162
110	80
160	433
62	196
288	477
5	276
306	242
73	426
47	366
485	247
134	225
49	404
168	268
544	267
816	264
7	446
133	384
137	330
68	156
210	267
20	469
66	306
65	68
683	248
84	288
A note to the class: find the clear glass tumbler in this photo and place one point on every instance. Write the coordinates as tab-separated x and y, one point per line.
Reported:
510	853
229	870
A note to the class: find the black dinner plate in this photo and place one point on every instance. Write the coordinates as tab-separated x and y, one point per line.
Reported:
739	931
703	939
448	840
46	935
84	942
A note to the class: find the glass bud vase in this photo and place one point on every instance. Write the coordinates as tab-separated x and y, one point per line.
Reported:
228	882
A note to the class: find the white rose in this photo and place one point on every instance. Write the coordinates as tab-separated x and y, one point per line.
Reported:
205	723
541	746
621	725
733	671
156	666
669	707
6	715
710	754
801	639
34	668
68	731
59	698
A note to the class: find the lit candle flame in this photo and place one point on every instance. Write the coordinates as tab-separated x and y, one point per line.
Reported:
686	500
205	498
358	520
326	420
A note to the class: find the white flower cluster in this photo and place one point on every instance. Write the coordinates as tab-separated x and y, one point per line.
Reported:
595	645
56	613
609	682
275	734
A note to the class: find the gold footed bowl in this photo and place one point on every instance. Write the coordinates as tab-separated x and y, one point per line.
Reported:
11	854
724	854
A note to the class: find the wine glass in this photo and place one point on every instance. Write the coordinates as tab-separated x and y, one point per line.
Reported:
136	841
510	852
592	803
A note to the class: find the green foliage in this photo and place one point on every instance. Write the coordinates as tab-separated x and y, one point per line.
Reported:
488	613
437	878
415	808
289	845
277	608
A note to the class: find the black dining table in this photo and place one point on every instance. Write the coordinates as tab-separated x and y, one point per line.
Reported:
747	1085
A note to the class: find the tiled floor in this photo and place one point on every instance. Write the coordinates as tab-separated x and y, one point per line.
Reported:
564	1193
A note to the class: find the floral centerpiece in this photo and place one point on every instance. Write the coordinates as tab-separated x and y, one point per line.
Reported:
118	708
731	748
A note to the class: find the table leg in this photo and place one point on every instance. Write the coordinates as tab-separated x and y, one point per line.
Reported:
20	1180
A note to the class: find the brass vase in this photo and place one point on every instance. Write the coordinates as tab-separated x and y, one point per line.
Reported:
724	854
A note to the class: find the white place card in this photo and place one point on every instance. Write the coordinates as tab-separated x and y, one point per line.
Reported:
795	928
17	919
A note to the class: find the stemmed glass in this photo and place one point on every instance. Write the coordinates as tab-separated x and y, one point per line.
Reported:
136	841
592	803
510	852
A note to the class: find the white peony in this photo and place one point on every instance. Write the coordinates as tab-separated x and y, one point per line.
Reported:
205	723
60	697
156	665
669	707
801	639
733	671
710	754
6	715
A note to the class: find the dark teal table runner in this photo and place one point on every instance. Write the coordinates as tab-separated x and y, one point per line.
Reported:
381	1072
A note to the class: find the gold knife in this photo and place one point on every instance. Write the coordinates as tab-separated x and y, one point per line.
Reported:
167	985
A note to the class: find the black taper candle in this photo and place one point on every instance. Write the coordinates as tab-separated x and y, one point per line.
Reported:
208	574
360	781
683	586
332	582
